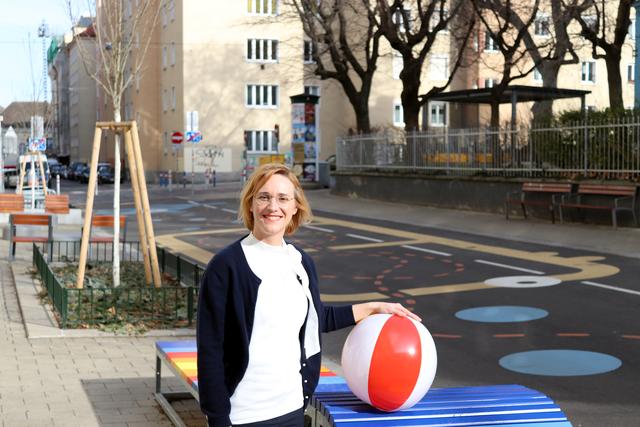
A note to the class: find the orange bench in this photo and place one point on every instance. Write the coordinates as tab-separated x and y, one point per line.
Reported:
28	220
58	204
106	221
11	202
613	198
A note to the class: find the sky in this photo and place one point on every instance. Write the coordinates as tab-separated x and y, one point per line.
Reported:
21	61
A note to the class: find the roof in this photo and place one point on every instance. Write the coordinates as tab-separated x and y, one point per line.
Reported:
522	93
21	112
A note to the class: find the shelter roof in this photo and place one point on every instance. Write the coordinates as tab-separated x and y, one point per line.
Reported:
521	92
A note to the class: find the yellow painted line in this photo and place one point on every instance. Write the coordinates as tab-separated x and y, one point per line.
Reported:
367	296
445	289
376	245
206	232
192	251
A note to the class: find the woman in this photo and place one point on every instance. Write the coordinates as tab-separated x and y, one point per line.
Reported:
260	314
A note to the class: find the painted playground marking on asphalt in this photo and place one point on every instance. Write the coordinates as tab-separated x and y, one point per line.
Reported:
586	268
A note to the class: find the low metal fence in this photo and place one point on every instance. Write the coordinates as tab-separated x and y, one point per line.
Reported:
607	150
92	305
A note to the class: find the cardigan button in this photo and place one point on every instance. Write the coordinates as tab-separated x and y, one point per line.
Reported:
304	364
305	381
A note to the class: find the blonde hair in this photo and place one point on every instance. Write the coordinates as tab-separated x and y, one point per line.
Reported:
255	183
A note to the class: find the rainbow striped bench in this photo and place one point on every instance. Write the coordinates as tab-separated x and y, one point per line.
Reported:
333	404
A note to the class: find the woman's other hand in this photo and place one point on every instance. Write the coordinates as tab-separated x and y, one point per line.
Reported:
361	311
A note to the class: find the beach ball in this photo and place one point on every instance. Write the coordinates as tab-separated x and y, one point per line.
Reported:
389	361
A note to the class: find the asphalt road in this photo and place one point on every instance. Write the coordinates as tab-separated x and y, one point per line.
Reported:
560	320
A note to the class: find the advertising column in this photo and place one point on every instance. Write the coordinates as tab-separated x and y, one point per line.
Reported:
304	138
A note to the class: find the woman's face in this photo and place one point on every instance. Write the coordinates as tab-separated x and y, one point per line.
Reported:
273	207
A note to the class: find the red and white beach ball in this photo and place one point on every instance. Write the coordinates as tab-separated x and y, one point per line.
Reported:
389	361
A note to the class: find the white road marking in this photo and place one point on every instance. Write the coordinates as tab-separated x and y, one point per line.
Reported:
429	251
210	206
370	239
510	267
193	203
612	288
229	210
314	227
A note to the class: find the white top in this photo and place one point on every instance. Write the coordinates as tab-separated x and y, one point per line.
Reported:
272	383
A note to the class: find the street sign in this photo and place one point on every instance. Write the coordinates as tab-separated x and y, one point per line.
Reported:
37	144
177	137
194	136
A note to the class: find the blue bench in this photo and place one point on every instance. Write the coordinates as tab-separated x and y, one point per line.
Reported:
333	404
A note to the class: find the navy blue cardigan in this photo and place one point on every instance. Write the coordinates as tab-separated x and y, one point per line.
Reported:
226	306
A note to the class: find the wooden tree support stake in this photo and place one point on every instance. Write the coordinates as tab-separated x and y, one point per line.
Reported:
141	199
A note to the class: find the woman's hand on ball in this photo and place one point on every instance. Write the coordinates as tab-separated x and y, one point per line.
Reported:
361	311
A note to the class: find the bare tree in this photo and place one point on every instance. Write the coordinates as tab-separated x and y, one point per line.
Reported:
344	46
508	27
560	50
412	27
606	27
123	33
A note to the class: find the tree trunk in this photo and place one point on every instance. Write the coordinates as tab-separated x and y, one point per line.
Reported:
116	201
361	110
614	80
543	110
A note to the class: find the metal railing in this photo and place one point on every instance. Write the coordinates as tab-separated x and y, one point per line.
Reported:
606	150
167	305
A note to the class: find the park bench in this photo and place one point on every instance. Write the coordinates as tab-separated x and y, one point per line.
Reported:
333	404
56	204
11	202
523	197
28	222
106	222
603	197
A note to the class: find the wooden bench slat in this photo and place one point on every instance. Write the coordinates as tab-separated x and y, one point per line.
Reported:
11	202
616	194
58	203
27	220
549	188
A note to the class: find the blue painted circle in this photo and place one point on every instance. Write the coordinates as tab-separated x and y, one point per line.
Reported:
501	314
560	363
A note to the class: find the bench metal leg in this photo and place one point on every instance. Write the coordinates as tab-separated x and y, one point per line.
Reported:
165	398
524	210
614	218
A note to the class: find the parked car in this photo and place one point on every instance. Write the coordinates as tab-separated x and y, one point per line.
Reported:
106	173
75	170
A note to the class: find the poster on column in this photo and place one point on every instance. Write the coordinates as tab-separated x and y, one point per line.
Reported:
304	138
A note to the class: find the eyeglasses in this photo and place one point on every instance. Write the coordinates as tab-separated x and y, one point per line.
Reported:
265	199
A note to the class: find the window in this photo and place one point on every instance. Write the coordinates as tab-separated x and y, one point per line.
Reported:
312	90
262	96
489	82
164	100
260	141
435	19
631	73
173	53
173	98
163	13
399	20
138	82
439	67
307	54
632	30
172	9
490	44
438	115
262	50
537	76
541	25
262	7
398	114
588	72
164	57
591	21
397	65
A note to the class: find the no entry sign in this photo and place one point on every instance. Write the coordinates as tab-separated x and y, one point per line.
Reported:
177	137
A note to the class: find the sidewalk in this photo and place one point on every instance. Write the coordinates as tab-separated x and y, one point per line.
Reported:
78	378
86	378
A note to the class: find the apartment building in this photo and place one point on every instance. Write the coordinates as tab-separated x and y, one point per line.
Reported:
228	72
73	92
